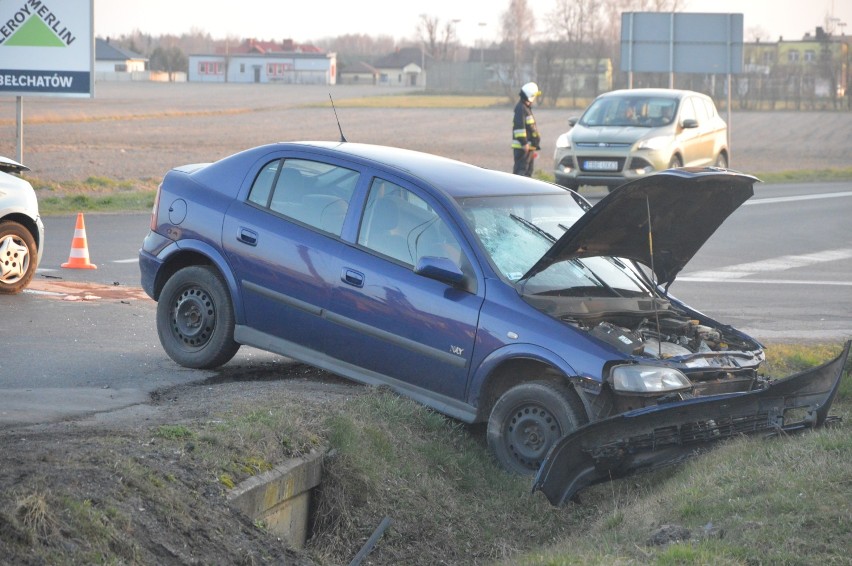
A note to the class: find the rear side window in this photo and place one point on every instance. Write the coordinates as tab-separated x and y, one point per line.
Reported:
709	108
262	187
310	192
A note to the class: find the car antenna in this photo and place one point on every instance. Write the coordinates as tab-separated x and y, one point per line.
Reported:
342	138
654	279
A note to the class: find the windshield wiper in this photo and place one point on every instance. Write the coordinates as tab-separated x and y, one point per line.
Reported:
594	276
524	222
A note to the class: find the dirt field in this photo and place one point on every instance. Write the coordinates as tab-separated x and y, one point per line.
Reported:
140	130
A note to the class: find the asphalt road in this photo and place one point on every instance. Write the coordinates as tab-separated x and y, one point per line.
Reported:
83	341
779	269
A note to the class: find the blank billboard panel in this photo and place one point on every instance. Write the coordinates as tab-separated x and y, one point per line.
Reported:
670	42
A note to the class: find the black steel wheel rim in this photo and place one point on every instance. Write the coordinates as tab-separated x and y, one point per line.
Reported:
193	317
530	432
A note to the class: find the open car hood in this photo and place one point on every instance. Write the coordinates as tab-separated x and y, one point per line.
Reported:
9	166
685	207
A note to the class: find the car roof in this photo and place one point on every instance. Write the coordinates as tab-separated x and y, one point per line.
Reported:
662	92
455	178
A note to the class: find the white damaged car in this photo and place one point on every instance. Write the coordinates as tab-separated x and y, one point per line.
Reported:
21	229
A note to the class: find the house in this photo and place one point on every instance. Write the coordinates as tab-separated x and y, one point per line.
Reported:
405	67
810	71
359	73
254	61
116	63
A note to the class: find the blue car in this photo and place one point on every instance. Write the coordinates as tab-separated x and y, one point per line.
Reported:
487	296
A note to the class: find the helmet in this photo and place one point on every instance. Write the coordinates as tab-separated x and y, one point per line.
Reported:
530	90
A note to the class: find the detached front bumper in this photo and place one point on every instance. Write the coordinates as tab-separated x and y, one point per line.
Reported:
655	436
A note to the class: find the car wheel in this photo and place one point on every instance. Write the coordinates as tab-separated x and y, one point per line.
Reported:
722	161
675	162
18	255
528	419
195	319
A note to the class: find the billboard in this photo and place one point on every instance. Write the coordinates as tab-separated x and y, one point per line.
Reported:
681	42
47	47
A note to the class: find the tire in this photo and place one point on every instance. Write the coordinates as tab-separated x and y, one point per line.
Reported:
721	161
528	419
18	257
195	319
675	162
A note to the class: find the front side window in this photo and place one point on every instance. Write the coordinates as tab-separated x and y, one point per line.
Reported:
687	111
401	225
311	192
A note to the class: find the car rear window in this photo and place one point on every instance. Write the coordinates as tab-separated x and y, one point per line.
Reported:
310	192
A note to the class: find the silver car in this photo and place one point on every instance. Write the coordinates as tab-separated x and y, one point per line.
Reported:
21	229
626	134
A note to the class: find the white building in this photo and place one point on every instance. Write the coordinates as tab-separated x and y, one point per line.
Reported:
259	62
111	59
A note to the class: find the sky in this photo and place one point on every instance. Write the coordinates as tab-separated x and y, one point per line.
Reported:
478	20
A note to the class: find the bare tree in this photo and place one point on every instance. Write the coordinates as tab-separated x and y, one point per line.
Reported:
440	40
518	24
357	47
585	29
427	29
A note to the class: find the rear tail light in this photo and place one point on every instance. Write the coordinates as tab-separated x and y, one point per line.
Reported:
154	220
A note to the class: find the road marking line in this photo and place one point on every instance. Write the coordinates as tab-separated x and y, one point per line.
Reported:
781	263
773	200
134	260
763	281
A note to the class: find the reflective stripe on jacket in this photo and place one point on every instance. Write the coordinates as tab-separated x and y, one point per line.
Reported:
524	129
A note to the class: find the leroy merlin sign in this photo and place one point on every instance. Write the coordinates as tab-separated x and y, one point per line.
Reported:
47	48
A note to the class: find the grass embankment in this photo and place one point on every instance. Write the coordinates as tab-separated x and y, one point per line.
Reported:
95	194
749	501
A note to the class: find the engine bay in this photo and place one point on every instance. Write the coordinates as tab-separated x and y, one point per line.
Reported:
655	328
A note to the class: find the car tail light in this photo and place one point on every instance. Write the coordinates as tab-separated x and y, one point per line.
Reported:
154	219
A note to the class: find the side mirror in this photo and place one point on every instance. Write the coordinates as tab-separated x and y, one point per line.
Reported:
690	123
573	121
440	269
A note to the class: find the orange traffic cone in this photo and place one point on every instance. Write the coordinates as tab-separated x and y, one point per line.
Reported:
79	258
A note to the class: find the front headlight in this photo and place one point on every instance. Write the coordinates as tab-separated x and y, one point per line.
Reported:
655	143
563	141
648	379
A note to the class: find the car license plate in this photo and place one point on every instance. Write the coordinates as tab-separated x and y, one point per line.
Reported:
601	165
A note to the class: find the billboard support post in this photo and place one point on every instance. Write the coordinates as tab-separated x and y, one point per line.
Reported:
19	120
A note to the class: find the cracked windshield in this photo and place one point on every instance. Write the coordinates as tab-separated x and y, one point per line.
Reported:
517	230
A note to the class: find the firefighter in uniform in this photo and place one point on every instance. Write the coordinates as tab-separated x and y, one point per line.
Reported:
525	138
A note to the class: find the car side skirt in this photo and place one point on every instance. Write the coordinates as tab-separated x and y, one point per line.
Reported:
656	436
447	405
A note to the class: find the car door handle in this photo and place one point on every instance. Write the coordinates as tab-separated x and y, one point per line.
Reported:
352	277
248	236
